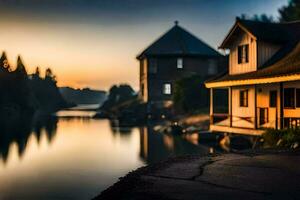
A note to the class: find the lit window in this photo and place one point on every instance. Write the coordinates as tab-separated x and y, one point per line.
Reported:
244	98
179	63
167	89
243	53
212	67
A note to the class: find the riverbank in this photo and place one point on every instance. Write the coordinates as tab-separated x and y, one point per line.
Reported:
271	174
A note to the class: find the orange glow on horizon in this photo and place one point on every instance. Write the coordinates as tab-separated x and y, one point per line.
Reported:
78	58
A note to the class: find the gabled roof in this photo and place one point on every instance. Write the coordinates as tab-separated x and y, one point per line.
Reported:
265	31
178	41
289	65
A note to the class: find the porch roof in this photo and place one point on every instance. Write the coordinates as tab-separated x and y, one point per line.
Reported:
285	66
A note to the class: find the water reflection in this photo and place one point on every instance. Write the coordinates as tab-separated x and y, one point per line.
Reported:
19	131
155	147
75	157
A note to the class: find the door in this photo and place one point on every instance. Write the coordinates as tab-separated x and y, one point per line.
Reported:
263	116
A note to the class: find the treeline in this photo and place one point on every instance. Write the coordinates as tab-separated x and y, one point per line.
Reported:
24	94
288	13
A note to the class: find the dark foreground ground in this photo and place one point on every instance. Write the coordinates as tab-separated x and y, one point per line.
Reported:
267	175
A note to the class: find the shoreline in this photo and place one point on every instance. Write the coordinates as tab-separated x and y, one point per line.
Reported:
212	177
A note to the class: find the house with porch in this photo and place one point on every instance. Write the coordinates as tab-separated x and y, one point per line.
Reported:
175	55
263	78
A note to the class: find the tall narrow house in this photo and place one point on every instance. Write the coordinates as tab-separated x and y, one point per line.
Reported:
263	79
175	55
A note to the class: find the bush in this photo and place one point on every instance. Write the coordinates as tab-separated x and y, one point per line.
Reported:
118	94
190	94
282	138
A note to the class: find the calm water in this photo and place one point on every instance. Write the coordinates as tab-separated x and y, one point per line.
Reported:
76	157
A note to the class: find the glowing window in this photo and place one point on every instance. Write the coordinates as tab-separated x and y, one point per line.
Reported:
179	63
167	89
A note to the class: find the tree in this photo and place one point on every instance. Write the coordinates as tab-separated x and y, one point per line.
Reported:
50	76
190	94
37	72
291	12
4	65
256	17
118	95
21	70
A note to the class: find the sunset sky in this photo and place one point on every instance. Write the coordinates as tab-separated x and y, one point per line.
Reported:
93	43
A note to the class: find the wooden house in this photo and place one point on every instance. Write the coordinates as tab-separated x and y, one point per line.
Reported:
263	79
175	55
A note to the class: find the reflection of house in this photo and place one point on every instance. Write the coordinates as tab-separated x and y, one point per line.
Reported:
175	55
263	79
155	147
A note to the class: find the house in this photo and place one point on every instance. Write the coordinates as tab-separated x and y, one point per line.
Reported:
263	79
175	55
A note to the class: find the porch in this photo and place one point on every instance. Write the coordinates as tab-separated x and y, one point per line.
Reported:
254	108
243	115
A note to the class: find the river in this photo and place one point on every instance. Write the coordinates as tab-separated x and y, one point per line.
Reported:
73	156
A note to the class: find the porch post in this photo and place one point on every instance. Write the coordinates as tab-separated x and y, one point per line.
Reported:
281	106
230	106
211	106
255	107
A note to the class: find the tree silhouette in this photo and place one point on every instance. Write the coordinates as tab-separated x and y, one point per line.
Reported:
256	17
49	75
4	63
37	72
20	70
117	95
21	95
291	12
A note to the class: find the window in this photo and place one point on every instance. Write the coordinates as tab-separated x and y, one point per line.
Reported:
289	98
152	66
298	98
243	54
179	63
212	67
167	89
273	98
263	116
244	98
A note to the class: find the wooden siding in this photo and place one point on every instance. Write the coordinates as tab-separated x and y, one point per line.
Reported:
243	116
143	80
265	51
263	101
234	67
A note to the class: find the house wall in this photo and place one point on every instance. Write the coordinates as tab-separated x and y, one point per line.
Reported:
167	72
234	67
263	101
143	80
265	51
292	113
242	115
